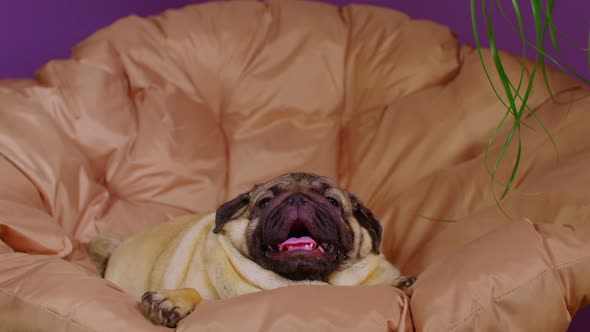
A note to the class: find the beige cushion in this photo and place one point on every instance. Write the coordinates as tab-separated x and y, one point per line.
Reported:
155	118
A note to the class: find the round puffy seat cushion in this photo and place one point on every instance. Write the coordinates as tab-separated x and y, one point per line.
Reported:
153	118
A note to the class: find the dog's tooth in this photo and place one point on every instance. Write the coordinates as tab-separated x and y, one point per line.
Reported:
289	247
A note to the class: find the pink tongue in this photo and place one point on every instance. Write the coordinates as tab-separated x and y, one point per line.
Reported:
298	244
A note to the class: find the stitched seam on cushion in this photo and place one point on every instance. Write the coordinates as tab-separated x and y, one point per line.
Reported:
560	266
480	309
55	314
528	282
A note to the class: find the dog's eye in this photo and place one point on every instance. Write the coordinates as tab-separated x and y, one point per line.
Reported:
263	203
333	201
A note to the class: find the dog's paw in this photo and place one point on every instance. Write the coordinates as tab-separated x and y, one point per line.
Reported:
404	282
168	307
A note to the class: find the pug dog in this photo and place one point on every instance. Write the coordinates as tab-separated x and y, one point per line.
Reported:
297	229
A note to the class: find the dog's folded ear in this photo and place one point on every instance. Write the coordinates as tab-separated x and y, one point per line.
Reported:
365	218
230	209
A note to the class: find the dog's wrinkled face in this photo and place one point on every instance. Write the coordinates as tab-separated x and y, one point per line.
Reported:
301	226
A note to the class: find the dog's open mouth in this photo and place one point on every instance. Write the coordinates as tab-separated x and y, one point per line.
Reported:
300	239
301	243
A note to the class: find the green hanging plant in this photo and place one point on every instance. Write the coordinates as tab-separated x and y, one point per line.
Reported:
515	97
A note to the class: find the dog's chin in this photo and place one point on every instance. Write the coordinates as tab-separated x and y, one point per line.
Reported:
301	258
301	261
300	264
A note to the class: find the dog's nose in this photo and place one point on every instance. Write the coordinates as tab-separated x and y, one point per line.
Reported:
297	199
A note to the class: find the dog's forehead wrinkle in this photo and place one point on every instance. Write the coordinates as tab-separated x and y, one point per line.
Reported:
274	189
320	185
301	176
279	186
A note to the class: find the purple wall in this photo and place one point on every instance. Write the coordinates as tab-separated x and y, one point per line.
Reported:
35	31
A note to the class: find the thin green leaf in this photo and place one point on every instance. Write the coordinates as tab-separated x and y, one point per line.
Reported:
540	39
556	30
516	126
551	138
536	7
522	36
491	141
478	48
516	164
549	15
565	67
504	149
524	59
436	219
508	90
499	66
539	122
497	201
511	99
